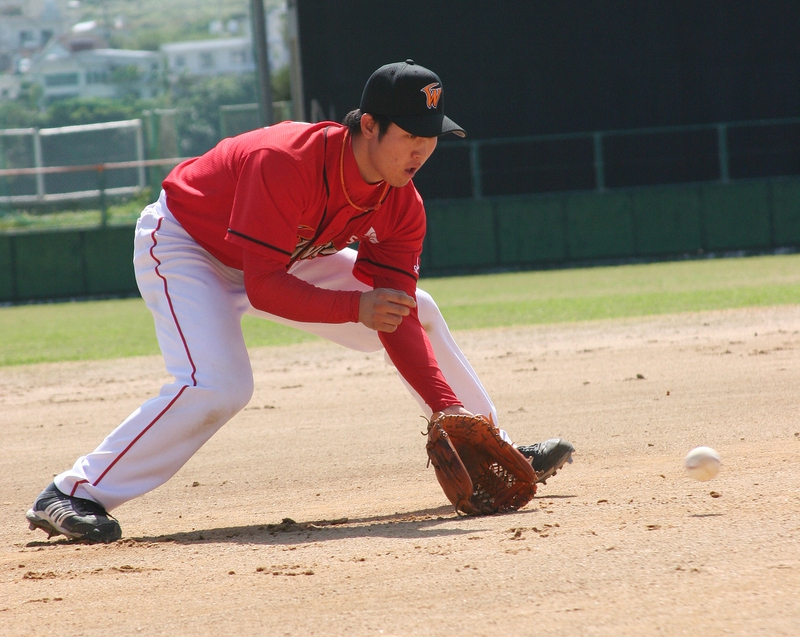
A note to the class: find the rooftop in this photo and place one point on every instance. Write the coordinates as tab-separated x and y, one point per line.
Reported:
204	45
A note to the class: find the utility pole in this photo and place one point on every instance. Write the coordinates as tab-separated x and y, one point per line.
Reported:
296	77
106	23
262	61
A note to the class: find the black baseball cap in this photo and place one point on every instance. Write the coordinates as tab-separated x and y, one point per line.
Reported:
411	97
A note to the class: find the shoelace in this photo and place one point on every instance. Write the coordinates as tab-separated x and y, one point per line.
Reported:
531	450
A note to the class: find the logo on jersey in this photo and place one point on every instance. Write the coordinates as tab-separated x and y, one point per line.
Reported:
371	236
433	92
304	249
416	267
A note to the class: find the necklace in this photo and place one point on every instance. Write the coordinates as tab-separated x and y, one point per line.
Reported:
344	188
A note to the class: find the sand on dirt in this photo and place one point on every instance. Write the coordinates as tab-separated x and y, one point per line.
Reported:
313	512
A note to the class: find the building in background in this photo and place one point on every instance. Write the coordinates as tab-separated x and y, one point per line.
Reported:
208	57
228	55
65	70
43	43
26	26
10	86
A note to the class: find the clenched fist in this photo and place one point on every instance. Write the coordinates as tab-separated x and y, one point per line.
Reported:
383	309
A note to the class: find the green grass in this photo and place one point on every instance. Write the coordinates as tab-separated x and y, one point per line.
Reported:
94	330
109	329
616	291
123	212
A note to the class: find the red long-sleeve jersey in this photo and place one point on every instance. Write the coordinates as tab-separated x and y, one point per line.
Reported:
262	200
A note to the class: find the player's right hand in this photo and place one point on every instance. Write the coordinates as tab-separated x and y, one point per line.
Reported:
383	309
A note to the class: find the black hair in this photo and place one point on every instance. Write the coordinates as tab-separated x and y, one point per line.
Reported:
353	122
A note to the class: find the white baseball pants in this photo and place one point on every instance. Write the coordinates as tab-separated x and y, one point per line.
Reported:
198	303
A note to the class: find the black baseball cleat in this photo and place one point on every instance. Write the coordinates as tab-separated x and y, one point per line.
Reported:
548	457
59	514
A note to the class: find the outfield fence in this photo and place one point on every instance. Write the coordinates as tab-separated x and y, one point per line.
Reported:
56	160
597	161
101	192
471	235
600	161
520	203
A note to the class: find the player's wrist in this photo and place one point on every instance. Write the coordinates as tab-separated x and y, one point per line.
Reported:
451	409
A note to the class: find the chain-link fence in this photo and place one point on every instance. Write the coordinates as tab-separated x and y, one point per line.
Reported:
614	159
120	158
240	118
76	149
30	158
17	150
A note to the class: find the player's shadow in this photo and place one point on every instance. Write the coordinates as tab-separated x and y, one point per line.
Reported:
426	523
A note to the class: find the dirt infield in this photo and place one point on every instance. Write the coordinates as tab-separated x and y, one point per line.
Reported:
313	513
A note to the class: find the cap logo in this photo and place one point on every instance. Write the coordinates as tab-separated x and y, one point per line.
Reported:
432	94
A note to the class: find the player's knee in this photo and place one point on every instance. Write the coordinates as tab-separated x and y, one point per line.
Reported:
212	408
229	395
240	393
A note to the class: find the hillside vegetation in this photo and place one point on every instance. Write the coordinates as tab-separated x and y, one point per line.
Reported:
149	23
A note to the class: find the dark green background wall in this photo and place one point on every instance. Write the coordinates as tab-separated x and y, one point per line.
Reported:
646	223
66	263
533	67
466	235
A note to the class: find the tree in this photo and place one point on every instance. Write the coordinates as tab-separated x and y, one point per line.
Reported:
75	111
201	98
22	112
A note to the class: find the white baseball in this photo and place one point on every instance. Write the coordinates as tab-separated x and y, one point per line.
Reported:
702	463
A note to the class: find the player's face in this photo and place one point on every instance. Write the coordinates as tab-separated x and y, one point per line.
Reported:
398	155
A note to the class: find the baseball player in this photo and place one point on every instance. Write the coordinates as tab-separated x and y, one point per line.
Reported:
261	225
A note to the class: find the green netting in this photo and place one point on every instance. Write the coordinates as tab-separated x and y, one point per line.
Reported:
17	151
90	145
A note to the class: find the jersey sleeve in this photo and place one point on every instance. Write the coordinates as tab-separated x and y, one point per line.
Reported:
411	352
394	263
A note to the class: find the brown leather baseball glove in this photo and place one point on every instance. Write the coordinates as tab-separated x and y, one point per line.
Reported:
479	472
